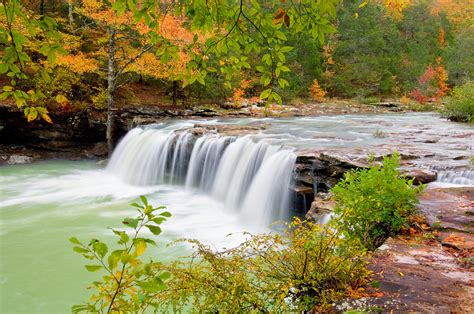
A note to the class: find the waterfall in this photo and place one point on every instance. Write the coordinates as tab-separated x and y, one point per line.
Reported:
465	177
248	176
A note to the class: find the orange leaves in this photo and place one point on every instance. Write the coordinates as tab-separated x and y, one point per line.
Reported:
149	64
79	63
441	78
238	95
442	36
316	92
457	12
171	28
281	17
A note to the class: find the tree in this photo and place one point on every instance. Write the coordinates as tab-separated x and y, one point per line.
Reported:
420	32
31	44
126	33
367	52
459	57
174	39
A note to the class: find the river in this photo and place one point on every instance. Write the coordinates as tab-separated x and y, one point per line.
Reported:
220	185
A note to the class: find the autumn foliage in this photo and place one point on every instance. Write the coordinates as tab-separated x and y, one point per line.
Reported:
316	92
432	84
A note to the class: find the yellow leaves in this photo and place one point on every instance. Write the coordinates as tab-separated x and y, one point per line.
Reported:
78	63
46	118
31	117
395	7
20	102
405	100
33	113
140	248
62	100
363	4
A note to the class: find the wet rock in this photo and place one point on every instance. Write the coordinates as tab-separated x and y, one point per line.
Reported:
449	208
226	129
420	176
303	195
19	159
458	242
99	149
320	205
387	104
420	277
102	162
432	140
320	208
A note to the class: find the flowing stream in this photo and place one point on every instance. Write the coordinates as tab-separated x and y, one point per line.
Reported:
213	185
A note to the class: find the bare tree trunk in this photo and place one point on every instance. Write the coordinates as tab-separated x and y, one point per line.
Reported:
111	76
175	92
41	7
70	6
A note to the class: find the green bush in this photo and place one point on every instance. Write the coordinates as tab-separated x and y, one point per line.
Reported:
373	204
460	105
308	267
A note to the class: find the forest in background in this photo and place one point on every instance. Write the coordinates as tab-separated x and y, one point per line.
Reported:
409	50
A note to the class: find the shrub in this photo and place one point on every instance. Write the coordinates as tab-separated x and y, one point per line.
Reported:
375	203
308	267
460	105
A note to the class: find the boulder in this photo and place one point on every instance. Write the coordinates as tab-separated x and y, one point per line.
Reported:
420	176
320	208
19	159
99	149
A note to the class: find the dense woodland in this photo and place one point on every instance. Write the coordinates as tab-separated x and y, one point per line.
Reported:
412	50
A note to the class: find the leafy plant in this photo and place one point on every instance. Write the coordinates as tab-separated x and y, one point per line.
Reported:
460	105
307	267
130	284
375	203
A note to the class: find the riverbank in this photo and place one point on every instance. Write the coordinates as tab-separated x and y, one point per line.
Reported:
429	268
81	134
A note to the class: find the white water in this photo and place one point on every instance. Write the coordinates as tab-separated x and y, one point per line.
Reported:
43	204
249	177
464	178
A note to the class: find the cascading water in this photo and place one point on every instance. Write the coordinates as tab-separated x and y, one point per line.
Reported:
465	177
251	177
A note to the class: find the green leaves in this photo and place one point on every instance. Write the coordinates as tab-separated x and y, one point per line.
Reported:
374	203
130	222
154	229
128	278
35	35
93	268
